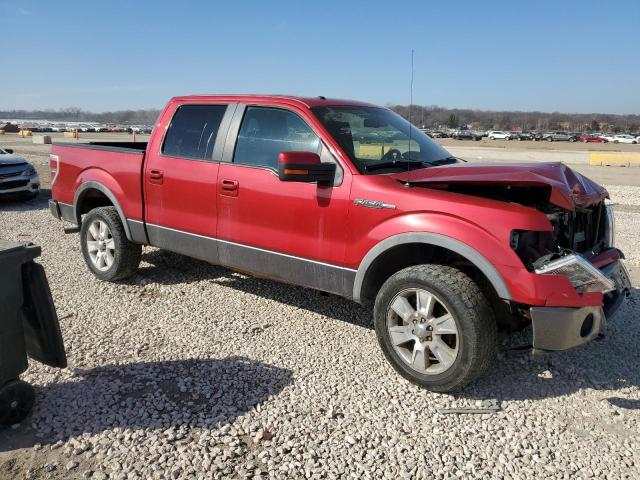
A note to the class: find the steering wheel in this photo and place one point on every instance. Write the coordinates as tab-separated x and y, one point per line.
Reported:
393	154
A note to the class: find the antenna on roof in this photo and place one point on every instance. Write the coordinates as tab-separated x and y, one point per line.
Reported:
410	123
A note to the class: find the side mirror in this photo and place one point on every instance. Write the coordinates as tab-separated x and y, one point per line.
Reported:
8	150
305	167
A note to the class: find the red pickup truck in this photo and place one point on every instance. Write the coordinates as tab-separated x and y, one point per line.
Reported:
349	198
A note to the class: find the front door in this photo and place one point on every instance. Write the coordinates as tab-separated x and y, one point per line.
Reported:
290	231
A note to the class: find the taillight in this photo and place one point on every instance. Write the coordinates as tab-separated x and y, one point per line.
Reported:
54	163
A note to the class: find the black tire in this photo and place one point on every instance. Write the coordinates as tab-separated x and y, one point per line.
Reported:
16	401
474	318
126	254
549	139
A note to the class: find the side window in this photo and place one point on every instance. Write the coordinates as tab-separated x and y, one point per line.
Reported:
265	132
193	131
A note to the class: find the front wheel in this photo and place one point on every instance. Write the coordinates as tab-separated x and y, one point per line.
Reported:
435	327
108	253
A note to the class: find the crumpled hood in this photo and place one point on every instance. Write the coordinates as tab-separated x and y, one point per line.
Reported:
568	188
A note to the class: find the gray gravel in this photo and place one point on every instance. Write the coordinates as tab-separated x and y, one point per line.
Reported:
192	371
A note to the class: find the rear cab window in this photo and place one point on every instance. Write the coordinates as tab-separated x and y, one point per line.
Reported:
193	131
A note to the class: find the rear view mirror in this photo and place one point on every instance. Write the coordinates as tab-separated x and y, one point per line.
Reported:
8	150
305	167
373	122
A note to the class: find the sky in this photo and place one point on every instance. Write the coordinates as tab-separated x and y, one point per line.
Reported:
566	56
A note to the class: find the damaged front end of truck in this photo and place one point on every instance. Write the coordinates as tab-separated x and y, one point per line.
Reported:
579	246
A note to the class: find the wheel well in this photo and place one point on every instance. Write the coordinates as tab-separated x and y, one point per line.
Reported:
90	199
406	255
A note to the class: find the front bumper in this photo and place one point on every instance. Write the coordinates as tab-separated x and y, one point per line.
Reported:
563	328
19	184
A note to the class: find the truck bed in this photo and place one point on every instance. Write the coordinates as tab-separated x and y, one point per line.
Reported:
116	166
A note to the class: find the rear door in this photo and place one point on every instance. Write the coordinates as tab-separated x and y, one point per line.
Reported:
290	231
180	176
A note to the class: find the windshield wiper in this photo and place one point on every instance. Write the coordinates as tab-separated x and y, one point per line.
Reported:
397	163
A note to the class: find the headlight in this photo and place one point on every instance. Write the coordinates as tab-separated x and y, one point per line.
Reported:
581	274
610	227
29	171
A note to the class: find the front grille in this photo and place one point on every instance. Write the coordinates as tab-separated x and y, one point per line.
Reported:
13	184
10	174
588	227
583	230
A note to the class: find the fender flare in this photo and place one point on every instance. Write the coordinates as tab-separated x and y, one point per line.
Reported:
436	239
91	185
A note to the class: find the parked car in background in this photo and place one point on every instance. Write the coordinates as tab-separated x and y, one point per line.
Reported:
521	136
499	135
608	137
591	138
465	135
624	138
557	137
17	176
536	136
438	134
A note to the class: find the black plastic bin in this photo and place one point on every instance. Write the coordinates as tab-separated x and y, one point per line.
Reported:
28	327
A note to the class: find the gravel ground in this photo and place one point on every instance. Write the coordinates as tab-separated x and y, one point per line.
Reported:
188	370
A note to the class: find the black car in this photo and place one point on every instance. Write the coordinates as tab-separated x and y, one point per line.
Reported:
438	134
524	136
465	135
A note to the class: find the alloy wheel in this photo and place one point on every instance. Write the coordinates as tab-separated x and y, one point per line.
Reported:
422	331
100	245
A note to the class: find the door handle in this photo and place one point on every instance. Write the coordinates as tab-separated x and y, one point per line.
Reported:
229	187
156	176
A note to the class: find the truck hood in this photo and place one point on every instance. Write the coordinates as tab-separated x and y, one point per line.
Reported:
7	159
569	189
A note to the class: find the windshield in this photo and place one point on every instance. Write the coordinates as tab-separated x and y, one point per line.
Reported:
379	141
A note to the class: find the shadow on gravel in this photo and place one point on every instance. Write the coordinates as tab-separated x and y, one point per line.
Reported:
156	395
170	268
625	403
17	203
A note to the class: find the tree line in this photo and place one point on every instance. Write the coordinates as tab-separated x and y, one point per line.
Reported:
432	117
73	114
440	117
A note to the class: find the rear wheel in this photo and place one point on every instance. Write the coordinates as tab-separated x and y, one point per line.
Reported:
435	327
108	253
